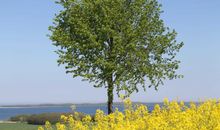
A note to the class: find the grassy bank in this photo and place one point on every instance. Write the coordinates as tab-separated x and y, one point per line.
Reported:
17	126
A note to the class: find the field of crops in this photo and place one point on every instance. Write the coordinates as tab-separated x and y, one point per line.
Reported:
171	116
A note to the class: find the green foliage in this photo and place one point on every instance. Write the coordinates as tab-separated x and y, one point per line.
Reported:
40	119
118	43
17	126
19	118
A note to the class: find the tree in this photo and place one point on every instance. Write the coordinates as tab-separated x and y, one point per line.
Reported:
119	44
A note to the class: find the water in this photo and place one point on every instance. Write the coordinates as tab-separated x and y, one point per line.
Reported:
6	113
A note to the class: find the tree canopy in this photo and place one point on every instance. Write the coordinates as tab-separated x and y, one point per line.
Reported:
117	44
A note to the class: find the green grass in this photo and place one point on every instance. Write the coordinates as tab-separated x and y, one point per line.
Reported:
17	126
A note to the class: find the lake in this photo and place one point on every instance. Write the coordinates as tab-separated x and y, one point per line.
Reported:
7	112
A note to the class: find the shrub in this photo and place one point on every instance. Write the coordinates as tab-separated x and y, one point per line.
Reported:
19	118
53	118
40	119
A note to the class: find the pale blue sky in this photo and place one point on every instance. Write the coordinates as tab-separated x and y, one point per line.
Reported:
29	72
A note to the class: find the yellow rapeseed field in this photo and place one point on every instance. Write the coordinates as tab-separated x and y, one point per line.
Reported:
171	116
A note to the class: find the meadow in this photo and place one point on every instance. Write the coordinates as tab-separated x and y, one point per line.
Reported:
17	126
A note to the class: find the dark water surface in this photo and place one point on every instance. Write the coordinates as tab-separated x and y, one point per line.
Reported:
7	112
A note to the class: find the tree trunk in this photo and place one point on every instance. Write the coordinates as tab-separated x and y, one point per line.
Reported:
110	97
109	79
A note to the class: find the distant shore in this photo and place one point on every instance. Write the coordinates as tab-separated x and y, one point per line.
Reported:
69	104
17	107
9	122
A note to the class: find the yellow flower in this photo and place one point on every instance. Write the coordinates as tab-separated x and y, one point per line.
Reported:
48	125
40	128
64	118
60	126
87	119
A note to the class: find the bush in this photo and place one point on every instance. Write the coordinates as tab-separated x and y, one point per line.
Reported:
40	119
20	118
53	118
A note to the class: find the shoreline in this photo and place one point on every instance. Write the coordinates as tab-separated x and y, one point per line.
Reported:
8	122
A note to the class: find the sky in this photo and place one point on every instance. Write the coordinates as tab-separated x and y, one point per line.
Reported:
29	73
